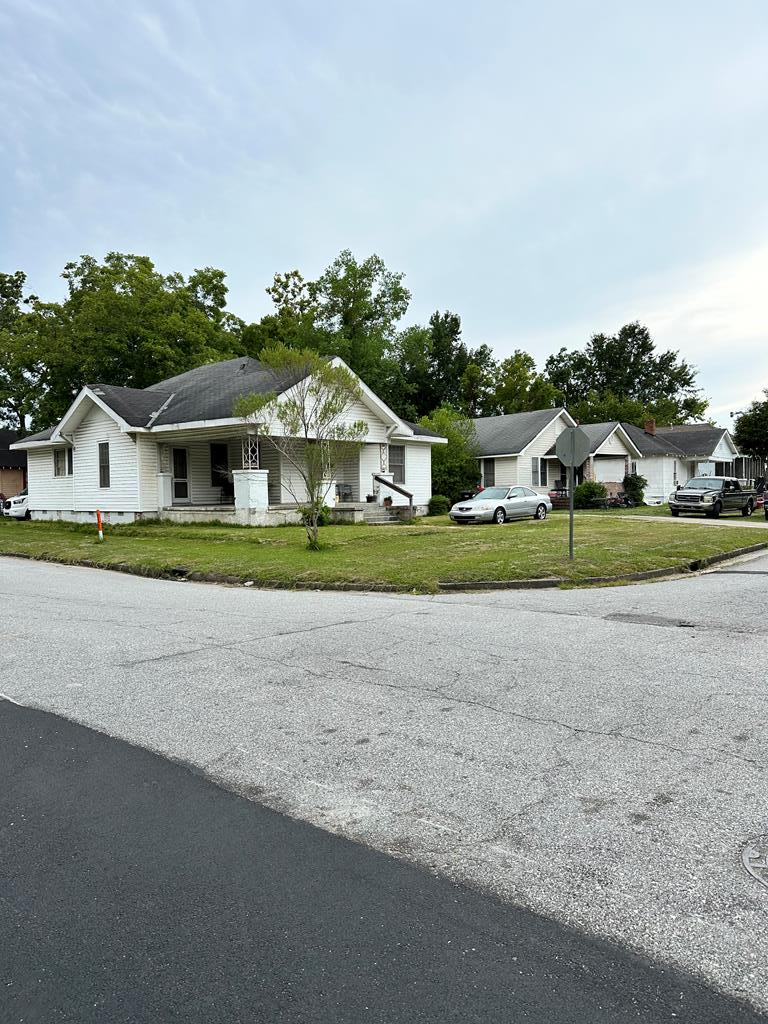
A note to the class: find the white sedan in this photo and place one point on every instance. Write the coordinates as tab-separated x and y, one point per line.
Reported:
498	504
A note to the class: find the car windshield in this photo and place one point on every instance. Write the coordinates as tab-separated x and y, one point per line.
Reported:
490	494
704	483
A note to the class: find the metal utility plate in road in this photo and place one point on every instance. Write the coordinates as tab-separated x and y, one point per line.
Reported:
572	446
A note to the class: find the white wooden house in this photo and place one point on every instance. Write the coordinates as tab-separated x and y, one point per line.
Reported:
175	450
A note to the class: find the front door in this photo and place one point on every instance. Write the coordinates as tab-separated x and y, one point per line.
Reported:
180	477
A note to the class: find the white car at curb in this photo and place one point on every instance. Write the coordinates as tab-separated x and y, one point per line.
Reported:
18	507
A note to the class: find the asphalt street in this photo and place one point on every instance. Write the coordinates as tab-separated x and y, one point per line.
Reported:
595	756
134	890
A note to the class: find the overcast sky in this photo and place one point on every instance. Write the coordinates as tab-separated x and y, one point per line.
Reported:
545	169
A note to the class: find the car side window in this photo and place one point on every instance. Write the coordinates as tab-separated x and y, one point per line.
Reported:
516	492
531	494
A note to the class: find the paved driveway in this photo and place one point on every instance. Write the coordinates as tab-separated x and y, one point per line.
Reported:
598	756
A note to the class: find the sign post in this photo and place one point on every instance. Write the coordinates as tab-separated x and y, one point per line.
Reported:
572	449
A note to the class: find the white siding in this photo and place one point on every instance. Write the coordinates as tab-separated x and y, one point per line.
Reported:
723	452
348	472
418	475
613	446
506	471
47	492
377	429
662	474
148	470
539	447
269	459
202	490
122	493
370	463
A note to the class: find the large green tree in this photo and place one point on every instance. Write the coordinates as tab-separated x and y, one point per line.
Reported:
123	322
357	306
623	373
20	353
454	465
520	388
751	431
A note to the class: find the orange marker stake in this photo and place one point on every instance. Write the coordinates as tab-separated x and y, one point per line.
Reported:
98	523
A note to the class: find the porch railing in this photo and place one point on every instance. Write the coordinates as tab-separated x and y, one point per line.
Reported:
396	487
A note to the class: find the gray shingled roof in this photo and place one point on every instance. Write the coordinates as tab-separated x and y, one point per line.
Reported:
133	405
210	392
42	435
421	431
597	434
693	439
508	435
652	444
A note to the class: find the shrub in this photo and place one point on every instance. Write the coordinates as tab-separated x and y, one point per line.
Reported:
634	487
589	494
323	518
439	505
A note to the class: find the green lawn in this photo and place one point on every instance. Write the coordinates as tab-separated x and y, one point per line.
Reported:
415	557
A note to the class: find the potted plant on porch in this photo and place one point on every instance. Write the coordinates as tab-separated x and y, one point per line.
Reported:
388	502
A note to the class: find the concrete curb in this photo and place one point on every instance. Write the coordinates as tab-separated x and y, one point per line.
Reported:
181	573
696	565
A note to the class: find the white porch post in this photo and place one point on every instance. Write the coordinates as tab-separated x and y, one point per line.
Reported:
251	490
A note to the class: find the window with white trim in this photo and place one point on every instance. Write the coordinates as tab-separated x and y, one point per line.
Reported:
489	472
539	472
62	462
397	463
104	464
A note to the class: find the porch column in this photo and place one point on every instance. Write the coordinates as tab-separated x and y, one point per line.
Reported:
251	493
164	490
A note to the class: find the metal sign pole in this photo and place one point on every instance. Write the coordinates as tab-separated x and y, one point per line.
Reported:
572	477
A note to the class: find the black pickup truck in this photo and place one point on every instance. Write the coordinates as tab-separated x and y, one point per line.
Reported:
712	495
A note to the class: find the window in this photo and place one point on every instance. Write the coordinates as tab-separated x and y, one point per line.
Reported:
219	465
62	462
489	472
397	463
633	468
70	462
539	475
104	464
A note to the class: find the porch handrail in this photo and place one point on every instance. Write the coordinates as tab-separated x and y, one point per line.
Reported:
396	487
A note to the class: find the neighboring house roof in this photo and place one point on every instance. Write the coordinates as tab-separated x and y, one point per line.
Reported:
9	459
511	434
598	434
652	444
694	439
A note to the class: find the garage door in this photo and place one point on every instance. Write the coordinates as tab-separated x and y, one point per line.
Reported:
610	470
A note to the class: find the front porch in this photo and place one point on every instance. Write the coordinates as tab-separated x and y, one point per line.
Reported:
209	475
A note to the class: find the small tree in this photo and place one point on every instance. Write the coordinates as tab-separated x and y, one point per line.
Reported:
310	405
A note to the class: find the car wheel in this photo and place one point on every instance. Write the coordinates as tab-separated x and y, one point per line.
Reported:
717	508
27	514
499	517
541	512
748	509
675	512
